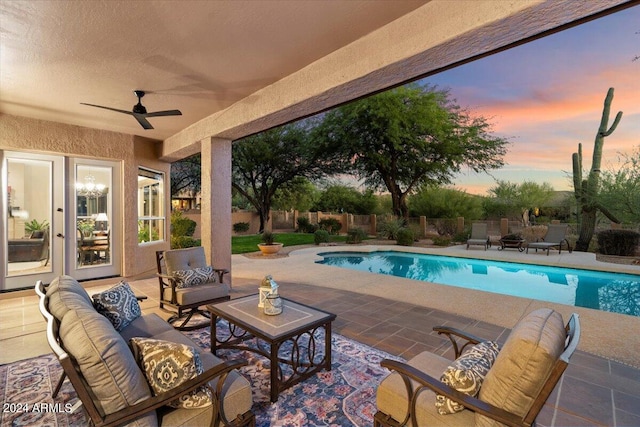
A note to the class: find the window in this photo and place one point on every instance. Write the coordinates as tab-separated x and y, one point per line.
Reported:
151	216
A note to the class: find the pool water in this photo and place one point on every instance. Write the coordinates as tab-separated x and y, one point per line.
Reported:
617	293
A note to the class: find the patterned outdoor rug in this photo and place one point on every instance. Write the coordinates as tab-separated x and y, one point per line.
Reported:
344	396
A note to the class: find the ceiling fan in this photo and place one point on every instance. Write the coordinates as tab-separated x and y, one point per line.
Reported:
139	111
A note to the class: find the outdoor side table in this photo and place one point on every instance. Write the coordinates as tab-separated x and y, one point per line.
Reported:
512	243
288	340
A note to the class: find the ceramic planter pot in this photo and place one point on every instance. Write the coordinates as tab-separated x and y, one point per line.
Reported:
271	249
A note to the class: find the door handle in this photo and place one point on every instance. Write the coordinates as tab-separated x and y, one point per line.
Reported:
60	235
59	210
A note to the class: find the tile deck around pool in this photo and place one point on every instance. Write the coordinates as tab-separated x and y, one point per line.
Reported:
605	334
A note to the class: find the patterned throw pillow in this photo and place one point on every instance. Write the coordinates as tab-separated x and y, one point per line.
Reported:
118	304
466	374
166	365
195	277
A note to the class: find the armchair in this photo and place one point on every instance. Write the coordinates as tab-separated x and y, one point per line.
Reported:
515	388
176	269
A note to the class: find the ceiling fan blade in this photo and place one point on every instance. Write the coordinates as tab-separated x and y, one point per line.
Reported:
164	113
108	108
143	122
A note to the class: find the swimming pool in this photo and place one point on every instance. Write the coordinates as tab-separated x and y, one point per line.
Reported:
617	293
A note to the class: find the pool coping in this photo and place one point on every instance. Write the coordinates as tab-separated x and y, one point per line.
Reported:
605	334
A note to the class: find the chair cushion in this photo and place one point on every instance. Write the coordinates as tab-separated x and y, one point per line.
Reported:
391	396
466	374
105	361
198	294
524	363
166	365
194	277
184	259
118	304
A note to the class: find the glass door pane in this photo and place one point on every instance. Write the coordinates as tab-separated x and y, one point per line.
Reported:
93	228
32	219
29	216
92	215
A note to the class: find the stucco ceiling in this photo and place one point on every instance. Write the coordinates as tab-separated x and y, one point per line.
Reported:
196	56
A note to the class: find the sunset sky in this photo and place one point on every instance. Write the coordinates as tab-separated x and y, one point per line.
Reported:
547	96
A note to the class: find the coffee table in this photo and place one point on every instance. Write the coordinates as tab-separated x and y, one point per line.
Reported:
288	340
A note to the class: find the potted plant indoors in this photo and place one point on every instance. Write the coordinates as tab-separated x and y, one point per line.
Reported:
269	246
35	226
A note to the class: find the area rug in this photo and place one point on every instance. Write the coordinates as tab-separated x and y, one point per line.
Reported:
344	396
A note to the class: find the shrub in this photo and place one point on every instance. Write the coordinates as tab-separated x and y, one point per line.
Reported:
618	242
180	242
182	226
463	236
389	229
446	227
441	241
241	227
405	237
356	235
305	226
321	236
332	225
268	238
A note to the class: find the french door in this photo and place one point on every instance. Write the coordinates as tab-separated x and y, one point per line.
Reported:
93	223
44	199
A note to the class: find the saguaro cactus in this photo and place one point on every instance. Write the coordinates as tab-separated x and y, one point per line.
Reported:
586	191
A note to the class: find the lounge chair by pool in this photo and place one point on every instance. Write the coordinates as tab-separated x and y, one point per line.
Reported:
555	237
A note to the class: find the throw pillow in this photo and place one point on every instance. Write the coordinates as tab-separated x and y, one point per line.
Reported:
466	374
166	365
194	277
118	304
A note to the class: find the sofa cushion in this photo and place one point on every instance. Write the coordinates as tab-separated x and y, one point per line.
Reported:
524	363
466	374
146	326
166	365
118	304
64	294
105	361
391	396
194	277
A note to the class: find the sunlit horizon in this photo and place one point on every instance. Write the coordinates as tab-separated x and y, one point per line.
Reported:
547	96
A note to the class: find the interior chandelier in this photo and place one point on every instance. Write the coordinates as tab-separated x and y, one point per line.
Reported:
89	188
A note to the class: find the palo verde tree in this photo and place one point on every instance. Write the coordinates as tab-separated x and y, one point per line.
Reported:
411	136
586	191
267	161
510	199
620	188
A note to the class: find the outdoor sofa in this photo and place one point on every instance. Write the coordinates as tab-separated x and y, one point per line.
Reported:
98	356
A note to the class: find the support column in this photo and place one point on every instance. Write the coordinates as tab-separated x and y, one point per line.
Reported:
216	202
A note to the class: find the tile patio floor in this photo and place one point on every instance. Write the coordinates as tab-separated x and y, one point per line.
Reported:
594	391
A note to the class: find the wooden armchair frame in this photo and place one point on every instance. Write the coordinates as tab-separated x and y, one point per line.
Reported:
417	381
130	413
184	312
